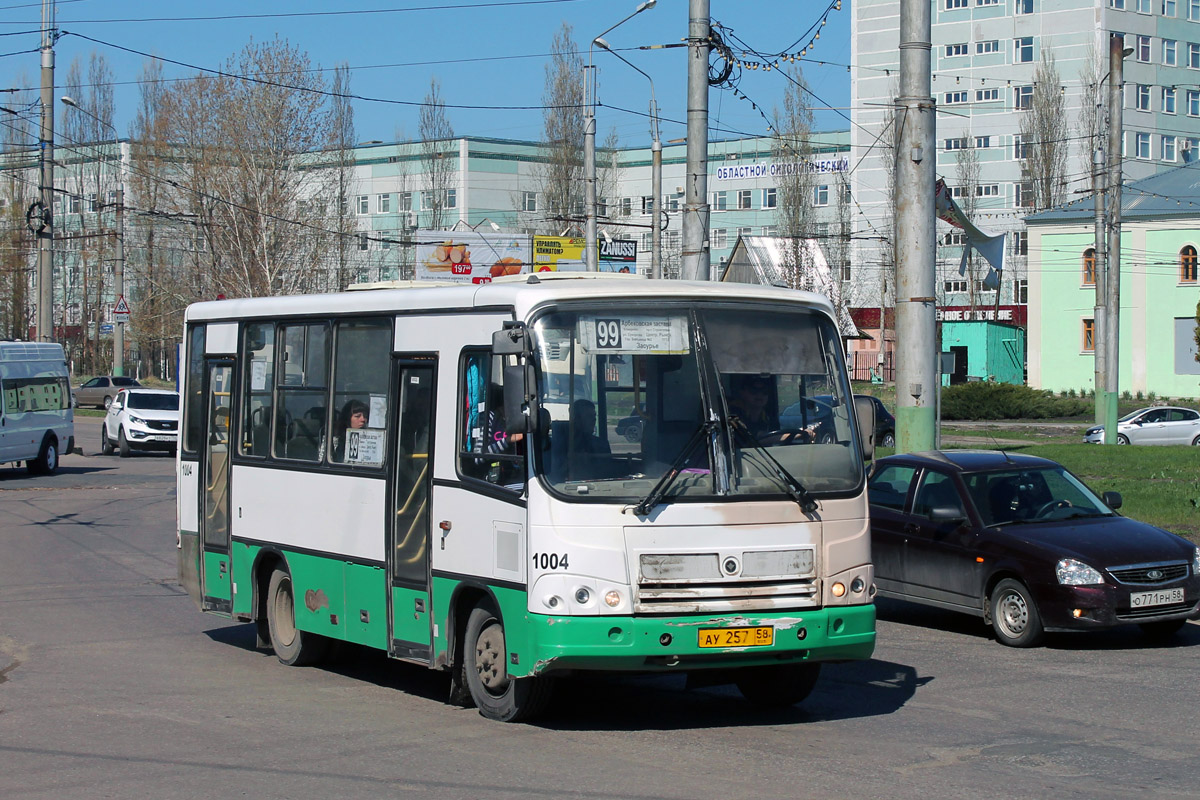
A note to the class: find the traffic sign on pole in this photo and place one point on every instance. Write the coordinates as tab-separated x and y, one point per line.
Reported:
121	308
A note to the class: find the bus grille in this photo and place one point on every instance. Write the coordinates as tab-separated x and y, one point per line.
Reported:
739	582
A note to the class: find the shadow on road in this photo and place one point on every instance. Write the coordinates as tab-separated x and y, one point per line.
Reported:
18	473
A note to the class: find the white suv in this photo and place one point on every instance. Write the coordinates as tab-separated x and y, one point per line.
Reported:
141	419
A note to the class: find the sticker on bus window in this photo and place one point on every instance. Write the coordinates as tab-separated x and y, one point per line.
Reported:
364	446
258	375
628	333
378	418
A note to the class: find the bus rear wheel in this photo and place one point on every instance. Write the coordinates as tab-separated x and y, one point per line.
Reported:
485	662
292	646
777	685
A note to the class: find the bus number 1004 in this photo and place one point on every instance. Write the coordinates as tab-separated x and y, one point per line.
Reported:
549	561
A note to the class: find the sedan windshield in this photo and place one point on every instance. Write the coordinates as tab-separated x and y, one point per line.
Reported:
154	402
1031	495
721	401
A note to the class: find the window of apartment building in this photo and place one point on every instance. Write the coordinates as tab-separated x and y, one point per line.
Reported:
1143	6
452	198
1022	97
1117	4
1193	55
769	230
1168	99
745	232
1168	52
671	239
990	46
1023	49
1187	264
984	95
987	2
1089	267
821	195
719	239
957	192
1142	148
953	4
955	287
981	287
363	204
846	274
954	239
954	98
1193	103
647	242
626	206
404	201
1188	149
363	242
720	201
529	201
846	198
1088	335
602	206
647	204
1194	10
1020	243
957	143
770	198
1020	149
959	49
987	190
983	142
426	200
385	203
1023	6
1143	49
385	240
1021	292
743	198
1023	194
1167	147
1168	8
1142	102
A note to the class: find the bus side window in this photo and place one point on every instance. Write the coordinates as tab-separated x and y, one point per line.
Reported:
486	451
302	376
257	386
361	361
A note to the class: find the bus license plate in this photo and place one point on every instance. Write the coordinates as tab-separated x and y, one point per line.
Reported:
759	636
1147	599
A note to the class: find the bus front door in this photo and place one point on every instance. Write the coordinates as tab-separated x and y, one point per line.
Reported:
410	610
214	483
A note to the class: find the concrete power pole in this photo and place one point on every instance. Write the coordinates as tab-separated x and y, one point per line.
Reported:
1099	331
1112	317
695	257
591	258
45	236
918	374
119	282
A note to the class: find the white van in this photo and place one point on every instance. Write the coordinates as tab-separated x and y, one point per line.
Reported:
37	423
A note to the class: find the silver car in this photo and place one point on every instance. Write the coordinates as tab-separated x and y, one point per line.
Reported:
1158	425
101	390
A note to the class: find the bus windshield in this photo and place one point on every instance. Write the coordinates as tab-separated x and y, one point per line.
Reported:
739	400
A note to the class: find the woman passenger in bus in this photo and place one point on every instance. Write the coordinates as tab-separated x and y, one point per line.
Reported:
352	417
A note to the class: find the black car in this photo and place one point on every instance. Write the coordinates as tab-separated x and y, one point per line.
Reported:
1023	543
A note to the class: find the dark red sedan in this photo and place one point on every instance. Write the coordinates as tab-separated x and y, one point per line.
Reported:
1023	543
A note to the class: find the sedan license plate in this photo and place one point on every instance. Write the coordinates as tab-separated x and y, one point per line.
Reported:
758	636
1161	598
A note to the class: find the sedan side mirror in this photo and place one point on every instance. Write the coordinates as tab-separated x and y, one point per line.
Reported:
947	514
1112	500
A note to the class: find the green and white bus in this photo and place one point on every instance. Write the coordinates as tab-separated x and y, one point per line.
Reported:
436	472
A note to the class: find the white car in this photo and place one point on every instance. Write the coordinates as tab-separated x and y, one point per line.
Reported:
141	419
1158	425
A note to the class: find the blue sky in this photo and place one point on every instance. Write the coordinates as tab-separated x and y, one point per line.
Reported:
484	54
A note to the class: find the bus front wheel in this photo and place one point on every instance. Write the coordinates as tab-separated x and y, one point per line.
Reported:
485	662
778	685
292	646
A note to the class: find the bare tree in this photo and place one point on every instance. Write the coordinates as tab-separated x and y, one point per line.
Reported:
341	147
1044	136
1091	120
559	175
436	135
967	169
16	242
793	151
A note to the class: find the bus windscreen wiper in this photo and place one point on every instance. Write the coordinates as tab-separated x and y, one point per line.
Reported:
660	488
786	479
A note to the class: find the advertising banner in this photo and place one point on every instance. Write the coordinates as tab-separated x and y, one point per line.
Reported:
558	254
469	257
617	255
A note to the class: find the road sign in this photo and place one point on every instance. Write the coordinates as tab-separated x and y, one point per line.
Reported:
121	308
106	327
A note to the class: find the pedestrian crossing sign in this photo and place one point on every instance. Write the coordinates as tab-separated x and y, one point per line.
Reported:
121	307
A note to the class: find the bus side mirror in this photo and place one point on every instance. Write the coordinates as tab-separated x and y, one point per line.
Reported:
511	340
864	412
517	397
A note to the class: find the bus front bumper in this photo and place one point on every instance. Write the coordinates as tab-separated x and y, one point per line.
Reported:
697	642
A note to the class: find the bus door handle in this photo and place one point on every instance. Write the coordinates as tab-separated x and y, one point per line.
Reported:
445	525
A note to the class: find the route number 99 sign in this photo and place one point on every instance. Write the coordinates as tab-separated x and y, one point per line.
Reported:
608	334
635	334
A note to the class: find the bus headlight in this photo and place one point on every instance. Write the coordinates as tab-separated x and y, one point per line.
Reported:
582	595
552	601
838	589
857	586
612	598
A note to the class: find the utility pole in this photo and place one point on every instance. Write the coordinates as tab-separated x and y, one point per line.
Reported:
1099	334
119	281
591	258
656	187
918	373
695	257
45	236
1112	319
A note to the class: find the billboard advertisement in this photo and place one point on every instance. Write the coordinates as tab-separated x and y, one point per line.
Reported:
469	257
618	255
558	253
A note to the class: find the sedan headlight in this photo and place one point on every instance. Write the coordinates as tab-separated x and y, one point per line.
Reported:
1076	573
1196	561
136	420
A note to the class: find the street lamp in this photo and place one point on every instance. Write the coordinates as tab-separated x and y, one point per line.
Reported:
118	368
656	167
589	143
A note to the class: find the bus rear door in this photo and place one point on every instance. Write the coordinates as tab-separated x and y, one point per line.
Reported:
214	487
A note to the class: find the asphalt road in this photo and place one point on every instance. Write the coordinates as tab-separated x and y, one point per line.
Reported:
112	685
